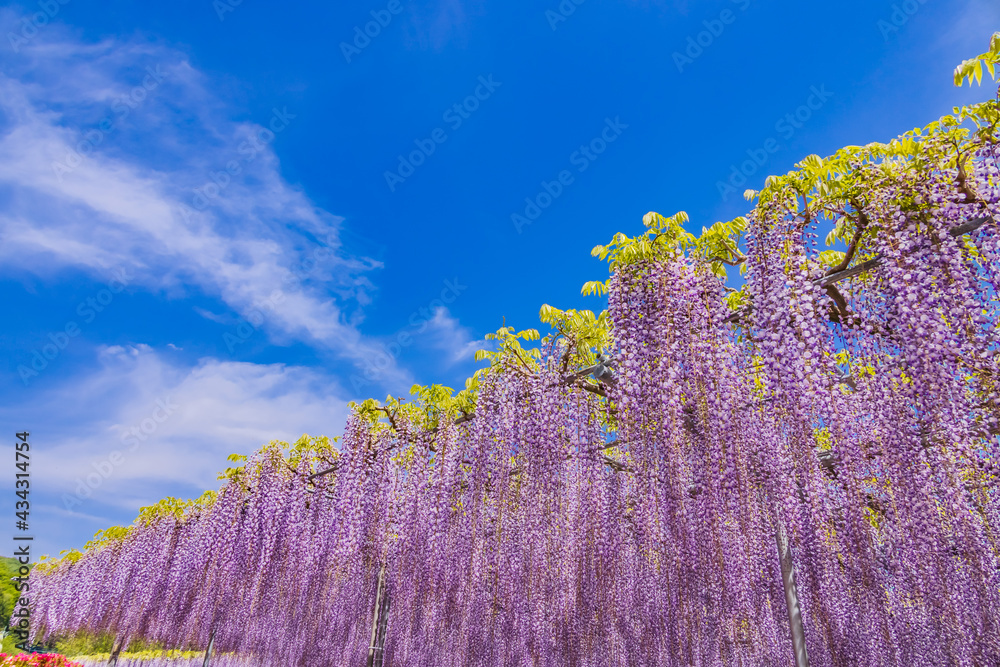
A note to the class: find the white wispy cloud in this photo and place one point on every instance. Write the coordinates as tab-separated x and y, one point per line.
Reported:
148	189
447	334
144	426
176	424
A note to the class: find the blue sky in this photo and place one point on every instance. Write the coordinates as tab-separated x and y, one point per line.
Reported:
221	222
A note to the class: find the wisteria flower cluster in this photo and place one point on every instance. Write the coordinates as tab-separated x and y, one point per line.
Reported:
165	659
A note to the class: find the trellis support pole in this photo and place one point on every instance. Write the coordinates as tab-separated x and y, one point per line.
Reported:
379	621
792	599
208	651
116	648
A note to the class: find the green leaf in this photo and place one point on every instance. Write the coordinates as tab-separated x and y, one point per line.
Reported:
831	258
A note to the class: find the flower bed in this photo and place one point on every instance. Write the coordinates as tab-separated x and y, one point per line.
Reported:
36	660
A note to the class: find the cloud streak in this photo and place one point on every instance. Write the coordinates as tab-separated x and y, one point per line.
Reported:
145	425
142	148
173	425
